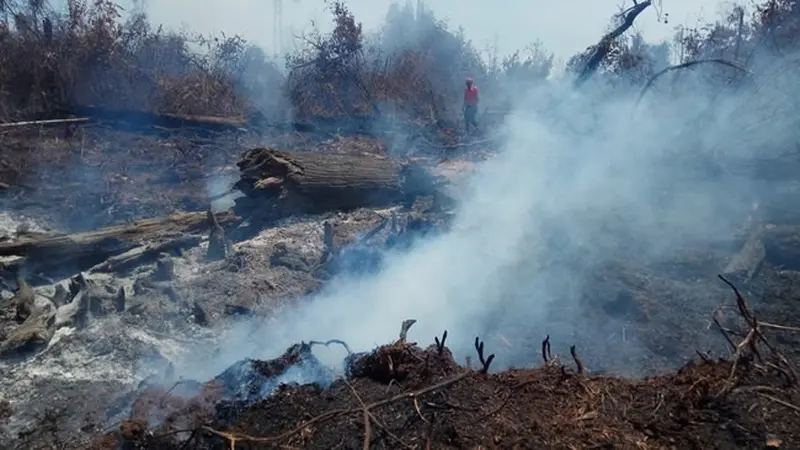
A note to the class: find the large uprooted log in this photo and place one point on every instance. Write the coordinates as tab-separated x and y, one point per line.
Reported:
322	182
56	254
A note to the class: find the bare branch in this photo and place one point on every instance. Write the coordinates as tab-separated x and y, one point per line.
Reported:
687	65
485	362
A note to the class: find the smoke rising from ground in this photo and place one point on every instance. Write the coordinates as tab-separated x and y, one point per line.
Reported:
585	182
586	178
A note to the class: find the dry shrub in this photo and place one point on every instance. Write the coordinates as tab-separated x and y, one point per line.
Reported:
415	68
772	28
87	55
412	69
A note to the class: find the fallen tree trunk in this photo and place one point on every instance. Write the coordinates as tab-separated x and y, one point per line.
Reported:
323	182
147	119
69	253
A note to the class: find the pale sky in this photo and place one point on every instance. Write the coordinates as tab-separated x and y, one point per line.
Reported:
564	26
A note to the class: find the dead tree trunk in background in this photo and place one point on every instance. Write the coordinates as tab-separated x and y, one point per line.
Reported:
601	49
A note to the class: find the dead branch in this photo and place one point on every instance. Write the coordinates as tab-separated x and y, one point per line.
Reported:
333	341
687	65
50	253
404	327
419	412
440	344
753	337
725	334
485	362
578	362
546	356
602	48
780	402
704	356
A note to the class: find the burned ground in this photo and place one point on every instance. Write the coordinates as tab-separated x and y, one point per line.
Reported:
666	355
429	401
533	396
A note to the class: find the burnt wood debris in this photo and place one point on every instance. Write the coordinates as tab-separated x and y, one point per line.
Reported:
186	213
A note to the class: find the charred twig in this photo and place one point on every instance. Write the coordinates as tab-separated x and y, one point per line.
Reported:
189	440
578	362
780	402
753	336
404	327
409	351
546	355
440	344
485	362
686	65
333	341
419	412
703	356
725	334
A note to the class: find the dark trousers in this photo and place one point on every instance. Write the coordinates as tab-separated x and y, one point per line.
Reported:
470	116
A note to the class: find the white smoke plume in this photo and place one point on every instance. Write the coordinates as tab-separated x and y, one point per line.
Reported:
585	177
583	182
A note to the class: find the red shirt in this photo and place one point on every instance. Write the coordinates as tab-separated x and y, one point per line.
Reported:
471	96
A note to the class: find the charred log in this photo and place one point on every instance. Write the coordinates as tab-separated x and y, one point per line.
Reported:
312	182
70	253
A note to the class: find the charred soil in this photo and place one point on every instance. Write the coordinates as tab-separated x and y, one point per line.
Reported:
429	401
735	388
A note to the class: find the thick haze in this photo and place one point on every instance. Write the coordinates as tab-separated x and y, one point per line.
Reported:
540	218
564	27
585	180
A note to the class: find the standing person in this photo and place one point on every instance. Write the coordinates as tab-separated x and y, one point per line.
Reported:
471	99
